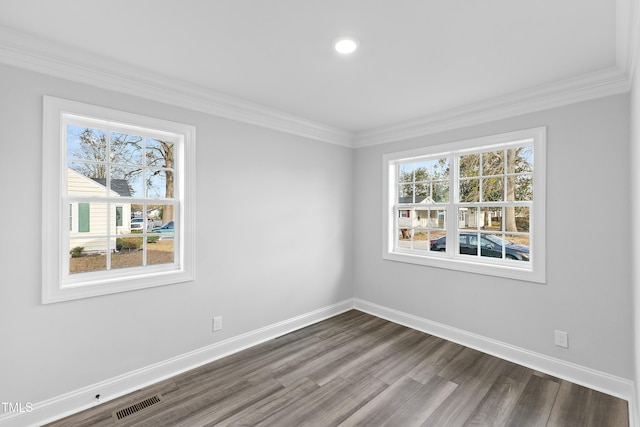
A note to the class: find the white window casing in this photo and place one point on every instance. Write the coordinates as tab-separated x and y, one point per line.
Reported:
60	207
399	228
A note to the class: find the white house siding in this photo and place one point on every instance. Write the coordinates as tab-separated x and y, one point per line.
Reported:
95	239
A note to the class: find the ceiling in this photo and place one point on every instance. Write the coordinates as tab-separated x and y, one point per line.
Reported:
417	59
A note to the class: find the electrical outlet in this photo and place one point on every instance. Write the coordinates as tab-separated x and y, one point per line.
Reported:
217	323
562	339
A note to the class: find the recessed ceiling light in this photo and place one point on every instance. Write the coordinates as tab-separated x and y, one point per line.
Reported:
345	45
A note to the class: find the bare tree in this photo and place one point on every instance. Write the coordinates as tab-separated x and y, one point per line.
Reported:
96	151
490	167
162	156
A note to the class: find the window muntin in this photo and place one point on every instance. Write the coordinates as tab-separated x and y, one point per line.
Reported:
110	165
492	193
422	188
114	166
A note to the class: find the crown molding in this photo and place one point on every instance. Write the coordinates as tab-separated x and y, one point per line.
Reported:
611	81
627	34
629	40
39	55
36	54
583	88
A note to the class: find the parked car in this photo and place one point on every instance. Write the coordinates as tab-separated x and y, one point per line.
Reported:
491	246
138	224
166	228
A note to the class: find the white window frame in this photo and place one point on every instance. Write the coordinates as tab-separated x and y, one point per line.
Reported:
57	284
534	270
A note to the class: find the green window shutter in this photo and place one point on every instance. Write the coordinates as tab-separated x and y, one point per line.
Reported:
118	216
84	217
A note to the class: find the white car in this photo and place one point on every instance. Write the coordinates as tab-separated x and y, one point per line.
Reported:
137	224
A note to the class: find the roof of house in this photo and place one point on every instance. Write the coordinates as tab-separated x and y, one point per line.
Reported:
419	199
120	186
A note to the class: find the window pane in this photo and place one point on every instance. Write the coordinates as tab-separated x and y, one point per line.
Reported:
520	188
468	243
129	252
160	154
86	144
155	217
88	241
421	239
421	218
469	190
520	160
437	219
405	218
441	168
518	247
83	259
159	214
163	214
404	238
493	163
89	220
492	189
522	219
126	149
160	251
405	193
126	181
83	180
159	183
438	240
491	245
468	218
491	219
423	171
440	192
405	172
470	165
120	222
422	193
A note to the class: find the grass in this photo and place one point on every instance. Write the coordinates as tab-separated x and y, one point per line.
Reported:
160	252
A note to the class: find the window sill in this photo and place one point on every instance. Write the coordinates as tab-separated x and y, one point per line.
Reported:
468	266
114	285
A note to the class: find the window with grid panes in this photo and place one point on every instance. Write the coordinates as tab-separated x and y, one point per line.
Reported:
107	171
486	195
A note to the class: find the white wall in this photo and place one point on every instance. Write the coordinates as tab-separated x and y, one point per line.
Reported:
635	206
275	215
588	289
273	243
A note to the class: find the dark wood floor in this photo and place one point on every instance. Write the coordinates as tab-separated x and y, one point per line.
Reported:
357	369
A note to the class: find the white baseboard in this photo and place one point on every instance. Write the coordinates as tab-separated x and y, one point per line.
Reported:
600	381
84	398
81	399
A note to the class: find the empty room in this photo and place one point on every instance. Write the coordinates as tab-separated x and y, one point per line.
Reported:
324	213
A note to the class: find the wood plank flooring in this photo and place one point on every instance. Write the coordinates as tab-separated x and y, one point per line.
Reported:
359	370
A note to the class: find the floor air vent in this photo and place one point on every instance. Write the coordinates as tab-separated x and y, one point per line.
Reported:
137	407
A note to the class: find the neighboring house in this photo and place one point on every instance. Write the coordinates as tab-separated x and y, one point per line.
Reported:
406	221
405	218
89	222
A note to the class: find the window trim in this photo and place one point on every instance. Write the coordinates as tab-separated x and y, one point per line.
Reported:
535	271
53	210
